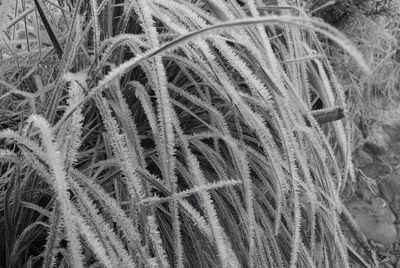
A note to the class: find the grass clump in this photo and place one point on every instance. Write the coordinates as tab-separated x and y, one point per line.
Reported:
172	133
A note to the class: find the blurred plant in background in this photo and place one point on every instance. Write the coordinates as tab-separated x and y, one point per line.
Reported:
373	26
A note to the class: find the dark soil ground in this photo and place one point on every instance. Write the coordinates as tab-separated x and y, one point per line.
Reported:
375	199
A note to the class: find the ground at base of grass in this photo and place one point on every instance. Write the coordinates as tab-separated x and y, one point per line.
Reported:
375	195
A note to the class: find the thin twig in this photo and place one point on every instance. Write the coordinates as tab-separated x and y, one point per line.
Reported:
328	114
49	29
20	17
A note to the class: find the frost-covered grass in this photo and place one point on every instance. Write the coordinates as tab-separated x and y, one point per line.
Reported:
172	133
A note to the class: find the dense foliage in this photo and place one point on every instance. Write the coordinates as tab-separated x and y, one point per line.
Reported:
159	133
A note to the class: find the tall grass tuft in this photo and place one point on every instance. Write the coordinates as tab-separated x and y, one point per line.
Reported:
171	133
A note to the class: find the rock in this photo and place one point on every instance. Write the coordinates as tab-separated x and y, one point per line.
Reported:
389	186
366	192
392	130
377	169
393	259
362	158
374	149
375	220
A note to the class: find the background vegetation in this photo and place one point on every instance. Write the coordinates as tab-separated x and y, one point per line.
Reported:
180	133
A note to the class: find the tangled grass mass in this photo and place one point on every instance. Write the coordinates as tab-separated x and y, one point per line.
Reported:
181	133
